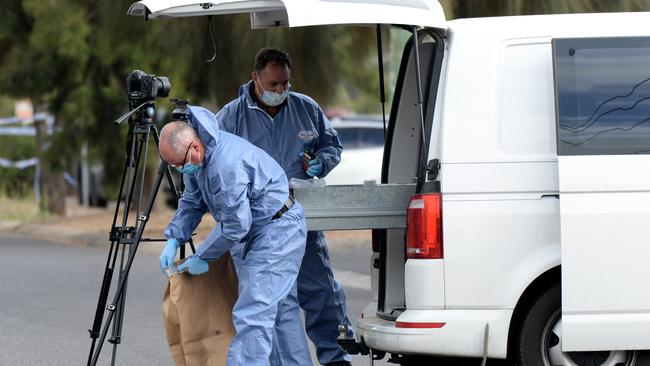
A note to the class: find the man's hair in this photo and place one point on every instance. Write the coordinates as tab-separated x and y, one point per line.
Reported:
177	134
267	55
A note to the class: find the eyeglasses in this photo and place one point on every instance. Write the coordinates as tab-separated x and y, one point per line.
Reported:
184	160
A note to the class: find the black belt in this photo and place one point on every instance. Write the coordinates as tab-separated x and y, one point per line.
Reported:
287	206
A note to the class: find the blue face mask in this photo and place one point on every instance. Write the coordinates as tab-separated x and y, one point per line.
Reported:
273	99
189	168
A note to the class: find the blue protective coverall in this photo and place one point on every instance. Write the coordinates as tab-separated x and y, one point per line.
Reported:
243	188
300	124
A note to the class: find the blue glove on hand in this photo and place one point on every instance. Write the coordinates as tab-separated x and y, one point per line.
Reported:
194	265
315	167
168	254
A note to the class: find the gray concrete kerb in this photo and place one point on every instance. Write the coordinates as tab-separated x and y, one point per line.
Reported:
52	233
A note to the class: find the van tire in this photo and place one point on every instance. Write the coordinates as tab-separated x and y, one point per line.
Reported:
543	314
528	342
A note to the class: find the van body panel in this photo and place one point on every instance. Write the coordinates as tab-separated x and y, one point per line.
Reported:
525	128
611	331
529	269
462	334
426	274
489	241
510	92
605	251
491	179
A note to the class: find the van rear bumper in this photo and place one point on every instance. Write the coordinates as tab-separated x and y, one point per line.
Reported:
461	335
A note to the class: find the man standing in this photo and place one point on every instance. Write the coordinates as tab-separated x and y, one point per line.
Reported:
247	193
292	128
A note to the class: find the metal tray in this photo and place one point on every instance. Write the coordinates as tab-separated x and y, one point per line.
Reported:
355	207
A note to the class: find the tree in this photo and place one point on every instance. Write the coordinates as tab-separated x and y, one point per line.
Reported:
71	57
478	8
47	66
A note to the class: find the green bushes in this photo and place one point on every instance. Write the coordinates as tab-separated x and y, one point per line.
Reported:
14	182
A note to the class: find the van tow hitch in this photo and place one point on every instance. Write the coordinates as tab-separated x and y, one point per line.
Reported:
350	345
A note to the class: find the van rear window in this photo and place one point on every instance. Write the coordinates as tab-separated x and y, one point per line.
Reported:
602	91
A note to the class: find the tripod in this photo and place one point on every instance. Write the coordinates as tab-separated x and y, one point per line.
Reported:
125	239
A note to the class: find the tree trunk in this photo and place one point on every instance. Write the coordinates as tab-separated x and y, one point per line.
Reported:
52	184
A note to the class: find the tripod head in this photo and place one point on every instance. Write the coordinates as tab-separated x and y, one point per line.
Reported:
181	112
145	111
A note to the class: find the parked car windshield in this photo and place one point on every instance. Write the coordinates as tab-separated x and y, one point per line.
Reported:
361	137
360	132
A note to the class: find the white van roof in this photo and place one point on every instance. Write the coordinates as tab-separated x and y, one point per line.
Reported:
299	13
554	25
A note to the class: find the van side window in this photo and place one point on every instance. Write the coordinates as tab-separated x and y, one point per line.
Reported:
602	91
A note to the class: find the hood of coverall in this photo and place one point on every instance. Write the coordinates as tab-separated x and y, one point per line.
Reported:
205	124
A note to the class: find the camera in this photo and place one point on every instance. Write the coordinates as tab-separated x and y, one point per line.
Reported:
142	87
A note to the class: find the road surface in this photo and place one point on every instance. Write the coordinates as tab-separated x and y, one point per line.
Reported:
49	294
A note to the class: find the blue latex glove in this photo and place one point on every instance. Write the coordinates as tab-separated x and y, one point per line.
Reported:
194	265
168	254
315	167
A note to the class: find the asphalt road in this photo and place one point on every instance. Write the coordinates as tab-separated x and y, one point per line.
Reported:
49	292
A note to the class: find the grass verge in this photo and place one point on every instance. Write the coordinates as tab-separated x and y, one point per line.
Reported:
19	209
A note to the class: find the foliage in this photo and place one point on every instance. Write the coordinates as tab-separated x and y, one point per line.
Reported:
16	182
6	106
479	8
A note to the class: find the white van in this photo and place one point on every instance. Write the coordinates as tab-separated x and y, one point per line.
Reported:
525	232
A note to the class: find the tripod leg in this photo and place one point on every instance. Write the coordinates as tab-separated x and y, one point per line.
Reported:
142	145
132	182
108	271
101	304
129	175
142	221
116	337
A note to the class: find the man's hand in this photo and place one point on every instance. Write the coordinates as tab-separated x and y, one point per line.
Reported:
194	265
315	167
168	254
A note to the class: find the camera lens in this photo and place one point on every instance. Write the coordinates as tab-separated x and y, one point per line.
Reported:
161	86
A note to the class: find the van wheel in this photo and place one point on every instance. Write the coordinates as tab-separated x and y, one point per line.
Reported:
540	339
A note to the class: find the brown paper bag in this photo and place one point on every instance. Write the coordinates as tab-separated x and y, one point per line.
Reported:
197	312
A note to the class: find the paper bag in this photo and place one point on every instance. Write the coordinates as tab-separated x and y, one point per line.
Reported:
197	313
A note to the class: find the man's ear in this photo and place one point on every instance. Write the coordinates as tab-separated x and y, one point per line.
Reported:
201	151
196	146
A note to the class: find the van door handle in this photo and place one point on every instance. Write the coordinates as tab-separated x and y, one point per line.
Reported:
551	196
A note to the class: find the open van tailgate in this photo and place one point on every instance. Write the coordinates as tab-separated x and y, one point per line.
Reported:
301	13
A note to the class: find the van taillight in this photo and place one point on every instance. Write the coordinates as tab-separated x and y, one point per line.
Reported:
424	227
